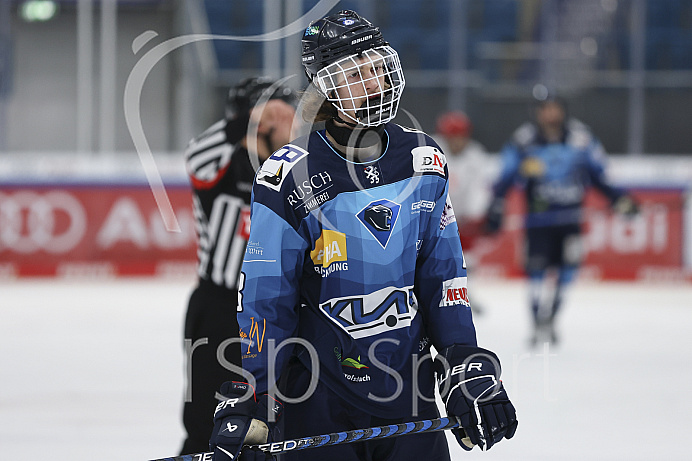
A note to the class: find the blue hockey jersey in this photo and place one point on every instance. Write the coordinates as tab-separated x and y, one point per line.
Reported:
360	263
554	176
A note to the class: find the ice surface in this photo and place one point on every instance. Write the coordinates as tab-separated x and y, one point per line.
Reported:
93	370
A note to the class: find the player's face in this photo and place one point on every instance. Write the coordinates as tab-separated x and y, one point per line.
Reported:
550	115
364	87
364	79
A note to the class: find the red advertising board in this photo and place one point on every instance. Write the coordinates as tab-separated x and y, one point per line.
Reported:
648	246
93	230
115	230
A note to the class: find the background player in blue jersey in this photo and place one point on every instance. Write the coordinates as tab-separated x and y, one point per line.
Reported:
352	272
555	160
220	164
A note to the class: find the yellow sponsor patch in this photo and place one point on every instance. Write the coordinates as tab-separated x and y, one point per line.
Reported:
329	248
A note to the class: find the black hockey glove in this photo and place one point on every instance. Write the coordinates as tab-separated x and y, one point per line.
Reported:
493	217
470	387
242	420
626	205
236	128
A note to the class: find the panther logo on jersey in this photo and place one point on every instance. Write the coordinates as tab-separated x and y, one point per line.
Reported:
379	218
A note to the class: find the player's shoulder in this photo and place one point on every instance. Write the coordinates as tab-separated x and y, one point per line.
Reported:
426	155
579	135
408	134
214	135
277	168
525	135
208	154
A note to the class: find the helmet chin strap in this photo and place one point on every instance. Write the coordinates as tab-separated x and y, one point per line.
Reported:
345	122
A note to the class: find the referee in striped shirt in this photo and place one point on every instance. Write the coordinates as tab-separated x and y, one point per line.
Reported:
221	163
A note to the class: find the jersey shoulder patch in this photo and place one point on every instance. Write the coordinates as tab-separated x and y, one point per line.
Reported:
428	159
276	168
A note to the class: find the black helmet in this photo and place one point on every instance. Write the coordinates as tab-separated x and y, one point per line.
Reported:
246	94
342	44
333	37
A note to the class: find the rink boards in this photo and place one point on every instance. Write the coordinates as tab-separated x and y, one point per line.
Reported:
70	216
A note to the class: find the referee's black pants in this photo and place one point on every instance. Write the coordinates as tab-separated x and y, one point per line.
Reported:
211	314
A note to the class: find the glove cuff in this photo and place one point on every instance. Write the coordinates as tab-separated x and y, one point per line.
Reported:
457	354
457	363
268	409
240	400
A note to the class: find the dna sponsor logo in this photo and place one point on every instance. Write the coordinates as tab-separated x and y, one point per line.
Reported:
428	159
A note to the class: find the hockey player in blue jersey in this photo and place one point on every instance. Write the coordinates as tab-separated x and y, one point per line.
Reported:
353	271
554	160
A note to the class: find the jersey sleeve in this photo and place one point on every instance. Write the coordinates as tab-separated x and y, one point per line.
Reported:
595	167
208	156
269	290
511	160
441	280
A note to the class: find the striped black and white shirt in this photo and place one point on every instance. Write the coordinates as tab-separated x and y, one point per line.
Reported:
221	175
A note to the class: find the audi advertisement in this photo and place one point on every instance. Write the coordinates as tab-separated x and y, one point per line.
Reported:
114	229
94	220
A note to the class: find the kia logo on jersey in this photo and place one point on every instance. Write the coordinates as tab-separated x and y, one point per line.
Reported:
379	218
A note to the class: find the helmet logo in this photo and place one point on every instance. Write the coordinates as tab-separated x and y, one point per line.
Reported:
312	30
348	22
361	39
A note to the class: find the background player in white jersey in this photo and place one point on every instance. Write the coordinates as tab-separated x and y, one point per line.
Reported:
353	271
470	180
221	163
468	161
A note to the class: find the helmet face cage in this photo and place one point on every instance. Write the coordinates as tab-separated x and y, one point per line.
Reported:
352	75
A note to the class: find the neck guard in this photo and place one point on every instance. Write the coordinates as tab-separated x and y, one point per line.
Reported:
355	137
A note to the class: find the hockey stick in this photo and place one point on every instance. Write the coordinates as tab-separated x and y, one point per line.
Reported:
336	438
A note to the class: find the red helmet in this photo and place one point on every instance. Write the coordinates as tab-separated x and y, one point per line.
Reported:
454	124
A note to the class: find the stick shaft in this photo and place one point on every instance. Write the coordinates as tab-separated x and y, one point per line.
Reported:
337	438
